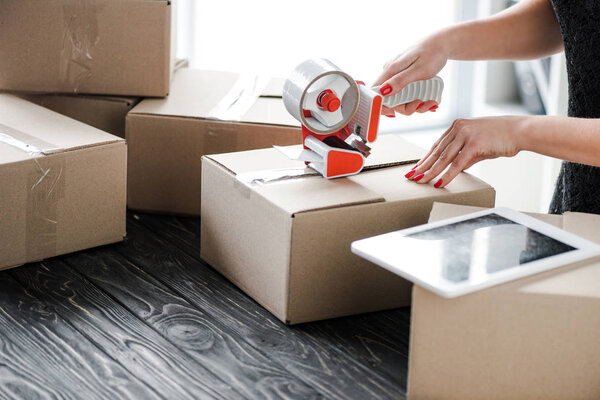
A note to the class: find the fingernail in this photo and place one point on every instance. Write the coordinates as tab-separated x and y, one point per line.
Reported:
391	116
385	89
419	177
410	173
433	108
415	166
420	105
438	184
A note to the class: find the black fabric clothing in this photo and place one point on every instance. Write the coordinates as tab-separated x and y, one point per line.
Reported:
578	185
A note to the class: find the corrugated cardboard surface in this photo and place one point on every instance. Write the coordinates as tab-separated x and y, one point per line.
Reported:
69	199
109	47
534	338
287	244
106	113
168	137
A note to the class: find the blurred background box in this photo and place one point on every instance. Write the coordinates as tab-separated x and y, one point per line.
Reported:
109	47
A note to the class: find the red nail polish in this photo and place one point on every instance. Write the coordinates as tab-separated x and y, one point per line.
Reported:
419	177
420	105
415	166
438	184
385	89
433	108
391	116
411	173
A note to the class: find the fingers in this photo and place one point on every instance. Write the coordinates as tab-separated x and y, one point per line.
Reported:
435	146
409	108
447	156
463	161
430	105
399	81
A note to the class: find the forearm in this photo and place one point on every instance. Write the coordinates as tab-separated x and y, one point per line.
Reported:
525	31
566	138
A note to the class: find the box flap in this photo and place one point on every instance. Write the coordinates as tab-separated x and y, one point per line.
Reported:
309	192
26	128
221	95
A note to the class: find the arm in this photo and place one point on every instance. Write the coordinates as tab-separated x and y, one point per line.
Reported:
469	141
527	30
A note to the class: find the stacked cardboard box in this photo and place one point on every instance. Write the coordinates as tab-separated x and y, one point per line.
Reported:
63	182
207	112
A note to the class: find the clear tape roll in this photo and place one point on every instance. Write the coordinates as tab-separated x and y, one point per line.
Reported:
303	78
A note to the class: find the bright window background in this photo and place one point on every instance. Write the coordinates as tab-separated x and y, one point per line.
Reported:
272	37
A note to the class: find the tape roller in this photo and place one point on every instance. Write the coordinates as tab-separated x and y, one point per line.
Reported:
340	116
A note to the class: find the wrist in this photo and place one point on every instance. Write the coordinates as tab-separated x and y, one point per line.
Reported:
524	132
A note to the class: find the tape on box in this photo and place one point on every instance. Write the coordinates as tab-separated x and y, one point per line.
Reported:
45	186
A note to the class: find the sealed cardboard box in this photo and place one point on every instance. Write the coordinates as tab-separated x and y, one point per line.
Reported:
534	338
207	112
110	47
103	112
286	242
63	184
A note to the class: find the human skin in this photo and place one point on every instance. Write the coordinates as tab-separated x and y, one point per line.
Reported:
525	31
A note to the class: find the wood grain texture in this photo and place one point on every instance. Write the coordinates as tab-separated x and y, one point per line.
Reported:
342	369
162	366
197	333
43	357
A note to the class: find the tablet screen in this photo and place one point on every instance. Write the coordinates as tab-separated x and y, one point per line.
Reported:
485	244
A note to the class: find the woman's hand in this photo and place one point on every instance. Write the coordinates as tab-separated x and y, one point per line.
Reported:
420	62
467	142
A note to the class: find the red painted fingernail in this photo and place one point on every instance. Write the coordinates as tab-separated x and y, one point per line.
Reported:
391	116
411	173
438	184
420	105
419	177
415	166
433	108
385	89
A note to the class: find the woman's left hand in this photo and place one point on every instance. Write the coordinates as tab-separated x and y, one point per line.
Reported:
467	142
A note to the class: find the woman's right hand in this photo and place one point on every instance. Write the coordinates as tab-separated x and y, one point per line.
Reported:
419	62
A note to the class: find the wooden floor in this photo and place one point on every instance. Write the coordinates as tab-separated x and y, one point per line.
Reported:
148	319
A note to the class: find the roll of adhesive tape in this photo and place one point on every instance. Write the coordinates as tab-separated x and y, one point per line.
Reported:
304	88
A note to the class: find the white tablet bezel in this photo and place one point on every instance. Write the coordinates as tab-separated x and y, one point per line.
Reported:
380	250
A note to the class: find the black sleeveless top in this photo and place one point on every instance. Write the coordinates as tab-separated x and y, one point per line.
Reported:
578	186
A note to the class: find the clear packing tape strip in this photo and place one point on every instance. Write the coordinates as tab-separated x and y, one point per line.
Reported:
80	36
240	98
44	186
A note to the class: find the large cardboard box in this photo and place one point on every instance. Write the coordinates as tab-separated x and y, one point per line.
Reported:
106	113
62	184
534	338
207	112
111	47
287	243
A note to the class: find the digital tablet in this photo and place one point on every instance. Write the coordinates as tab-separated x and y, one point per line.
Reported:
464	254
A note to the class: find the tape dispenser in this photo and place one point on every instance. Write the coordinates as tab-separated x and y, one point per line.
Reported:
340	116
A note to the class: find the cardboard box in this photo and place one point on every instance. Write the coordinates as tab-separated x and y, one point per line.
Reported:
167	137
287	243
106	113
534	338
110	47
63	184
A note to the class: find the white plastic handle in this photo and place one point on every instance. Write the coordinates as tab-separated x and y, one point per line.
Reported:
430	89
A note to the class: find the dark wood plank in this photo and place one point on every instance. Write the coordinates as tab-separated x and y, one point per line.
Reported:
41	356
139	348
203	337
377	340
332	370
